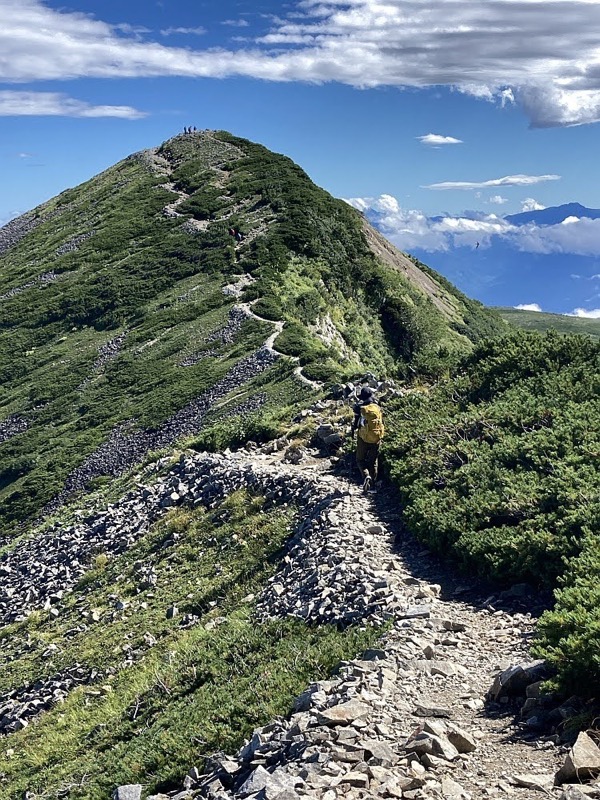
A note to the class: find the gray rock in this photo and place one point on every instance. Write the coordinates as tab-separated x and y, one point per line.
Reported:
462	740
542	783
582	761
514	681
132	791
428	744
452	790
344	714
256	782
422	710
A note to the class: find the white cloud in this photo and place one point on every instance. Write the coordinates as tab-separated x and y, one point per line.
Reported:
529	307
529	204
592	313
189	31
573	235
498	200
410	228
508	180
542	55
53	104
236	23
436	139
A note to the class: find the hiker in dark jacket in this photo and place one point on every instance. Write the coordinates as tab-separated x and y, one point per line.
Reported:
368	421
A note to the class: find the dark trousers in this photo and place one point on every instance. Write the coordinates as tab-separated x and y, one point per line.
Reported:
366	458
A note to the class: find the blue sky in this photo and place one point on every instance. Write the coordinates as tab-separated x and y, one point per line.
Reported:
445	107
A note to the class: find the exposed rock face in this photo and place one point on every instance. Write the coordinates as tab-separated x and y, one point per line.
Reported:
19	706
72	245
12	233
106	353
225	335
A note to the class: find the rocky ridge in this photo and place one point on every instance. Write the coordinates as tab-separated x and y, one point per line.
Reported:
15	230
429	713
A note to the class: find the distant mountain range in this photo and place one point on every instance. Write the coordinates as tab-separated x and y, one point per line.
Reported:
549	257
553	215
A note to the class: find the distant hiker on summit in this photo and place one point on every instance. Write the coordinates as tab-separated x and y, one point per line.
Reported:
368	421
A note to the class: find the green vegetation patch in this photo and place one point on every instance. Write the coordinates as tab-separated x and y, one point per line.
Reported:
541	321
499	467
196	690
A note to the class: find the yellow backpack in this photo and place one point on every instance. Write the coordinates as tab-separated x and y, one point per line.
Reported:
371	428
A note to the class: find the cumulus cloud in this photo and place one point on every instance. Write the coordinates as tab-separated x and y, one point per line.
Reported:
436	139
54	104
529	307
529	204
508	180
543	55
498	200
592	313
410	229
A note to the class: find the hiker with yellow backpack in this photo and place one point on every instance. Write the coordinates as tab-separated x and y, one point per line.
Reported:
368	421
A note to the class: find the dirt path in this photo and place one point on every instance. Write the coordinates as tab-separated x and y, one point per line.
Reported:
270	344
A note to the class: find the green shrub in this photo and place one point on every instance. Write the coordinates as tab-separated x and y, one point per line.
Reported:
569	635
497	467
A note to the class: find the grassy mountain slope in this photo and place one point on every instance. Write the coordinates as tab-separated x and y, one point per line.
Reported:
118	343
540	321
114	319
159	694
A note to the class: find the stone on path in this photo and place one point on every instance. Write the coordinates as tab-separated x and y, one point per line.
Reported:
344	713
513	681
582	761
541	782
452	790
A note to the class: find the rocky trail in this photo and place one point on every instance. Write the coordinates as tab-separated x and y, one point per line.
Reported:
431	712
414	717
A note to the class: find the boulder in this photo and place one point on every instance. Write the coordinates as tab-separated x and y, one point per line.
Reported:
428	744
462	740
344	713
513	682
582	761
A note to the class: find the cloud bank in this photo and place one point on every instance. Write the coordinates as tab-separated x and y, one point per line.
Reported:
529	307
410	229
592	313
542	55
